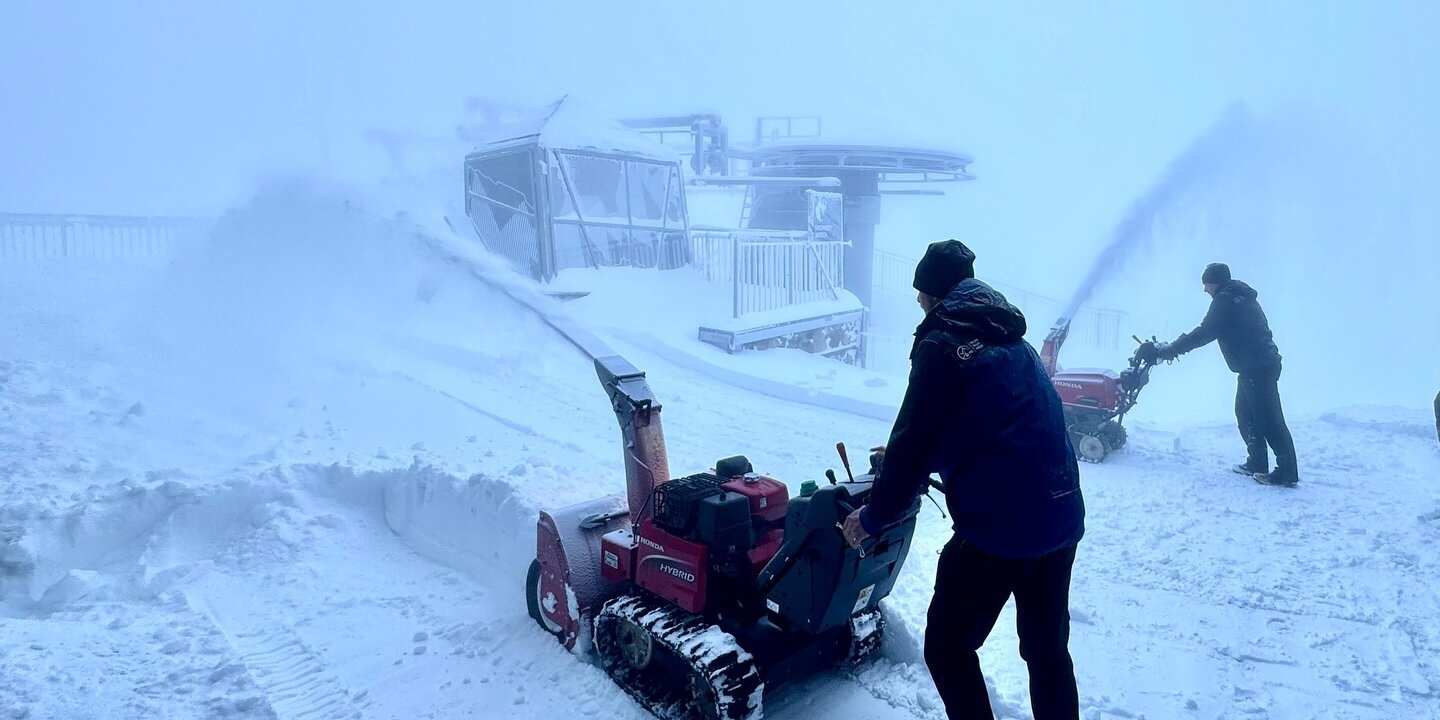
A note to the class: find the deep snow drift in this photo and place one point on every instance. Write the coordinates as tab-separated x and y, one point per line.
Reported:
293	473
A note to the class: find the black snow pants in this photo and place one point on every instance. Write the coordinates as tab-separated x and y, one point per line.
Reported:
971	588
1262	422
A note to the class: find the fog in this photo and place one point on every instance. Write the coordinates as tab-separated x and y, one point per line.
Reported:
1073	113
277	449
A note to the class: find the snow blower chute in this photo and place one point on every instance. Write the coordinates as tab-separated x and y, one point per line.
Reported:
1096	401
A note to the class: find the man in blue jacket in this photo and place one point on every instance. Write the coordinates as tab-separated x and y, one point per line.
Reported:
980	411
1237	322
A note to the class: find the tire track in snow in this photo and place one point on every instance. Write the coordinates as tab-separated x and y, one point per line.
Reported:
291	675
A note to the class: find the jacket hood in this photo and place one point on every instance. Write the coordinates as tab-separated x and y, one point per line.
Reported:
1237	289
976	310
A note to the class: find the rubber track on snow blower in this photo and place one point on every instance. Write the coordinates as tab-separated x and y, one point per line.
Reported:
711	653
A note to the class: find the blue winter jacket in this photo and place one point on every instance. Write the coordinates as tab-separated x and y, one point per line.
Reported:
981	413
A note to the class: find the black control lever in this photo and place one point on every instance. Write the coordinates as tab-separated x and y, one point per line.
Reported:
932	482
845	460
830	475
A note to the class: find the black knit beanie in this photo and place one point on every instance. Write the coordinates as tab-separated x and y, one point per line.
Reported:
945	264
1215	274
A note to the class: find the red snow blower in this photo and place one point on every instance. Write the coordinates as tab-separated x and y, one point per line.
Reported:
701	592
1096	400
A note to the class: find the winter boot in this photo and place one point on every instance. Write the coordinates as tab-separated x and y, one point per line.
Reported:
1282	477
1251	469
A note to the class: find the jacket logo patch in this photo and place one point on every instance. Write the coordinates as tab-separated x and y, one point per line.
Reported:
968	350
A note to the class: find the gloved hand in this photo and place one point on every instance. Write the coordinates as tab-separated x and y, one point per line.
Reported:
1146	353
1153	351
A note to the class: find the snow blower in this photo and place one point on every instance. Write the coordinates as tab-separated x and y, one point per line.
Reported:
700	592
1096	401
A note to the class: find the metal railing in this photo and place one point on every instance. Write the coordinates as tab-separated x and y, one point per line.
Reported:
893	273
29	236
1093	327
769	269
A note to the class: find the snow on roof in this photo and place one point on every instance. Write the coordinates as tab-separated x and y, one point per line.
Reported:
569	125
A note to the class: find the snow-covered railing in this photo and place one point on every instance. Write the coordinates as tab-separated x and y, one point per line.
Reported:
27	236
769	269
1091	327
893	273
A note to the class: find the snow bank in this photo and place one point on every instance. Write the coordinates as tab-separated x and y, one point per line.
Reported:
477	525
126	541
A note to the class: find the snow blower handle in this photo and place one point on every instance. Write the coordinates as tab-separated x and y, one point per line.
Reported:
1150	352
845	460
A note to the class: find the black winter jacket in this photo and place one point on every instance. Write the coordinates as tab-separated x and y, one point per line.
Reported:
981	412
1236	320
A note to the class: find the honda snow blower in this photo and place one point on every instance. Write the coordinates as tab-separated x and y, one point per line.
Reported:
1096	401
702	591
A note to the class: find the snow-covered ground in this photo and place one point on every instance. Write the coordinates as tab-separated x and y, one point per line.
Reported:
294	474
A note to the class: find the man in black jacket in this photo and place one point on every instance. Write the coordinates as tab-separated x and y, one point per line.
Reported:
1236	320
981	412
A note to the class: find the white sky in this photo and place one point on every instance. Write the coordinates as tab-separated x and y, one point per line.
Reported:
176	106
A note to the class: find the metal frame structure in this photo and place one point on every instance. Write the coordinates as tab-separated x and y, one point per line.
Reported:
542	161
706	144
863	171
752	261
767	128
892	164
674	189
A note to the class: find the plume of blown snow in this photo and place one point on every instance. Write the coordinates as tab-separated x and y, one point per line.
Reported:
1332	222
1234	142
299	279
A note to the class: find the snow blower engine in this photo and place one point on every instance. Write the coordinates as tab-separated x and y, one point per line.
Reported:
1096	401
700	592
